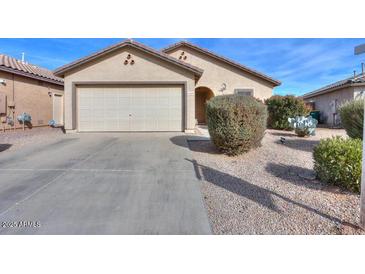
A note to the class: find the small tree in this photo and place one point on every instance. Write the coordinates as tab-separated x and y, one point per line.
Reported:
280	108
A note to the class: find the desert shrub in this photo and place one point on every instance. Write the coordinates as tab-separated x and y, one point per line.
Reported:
236	123
352	118
303	126
338	161
280	108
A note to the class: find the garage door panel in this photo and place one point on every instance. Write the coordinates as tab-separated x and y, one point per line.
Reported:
122	125
132	108
123	100
111	103
98	125
111	111
110	125
98	114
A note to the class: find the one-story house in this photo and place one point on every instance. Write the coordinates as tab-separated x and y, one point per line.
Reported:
328	99
31	89
132	87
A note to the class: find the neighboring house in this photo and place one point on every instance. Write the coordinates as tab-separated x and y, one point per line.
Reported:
131	87
31	89
329	98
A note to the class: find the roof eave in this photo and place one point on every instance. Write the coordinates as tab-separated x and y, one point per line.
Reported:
321	92
61	71
29	75
223	59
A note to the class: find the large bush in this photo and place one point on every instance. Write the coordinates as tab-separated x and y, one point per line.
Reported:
281	108
352	118
338	161
236	123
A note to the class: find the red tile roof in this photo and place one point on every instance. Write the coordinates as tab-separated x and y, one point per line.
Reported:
15	66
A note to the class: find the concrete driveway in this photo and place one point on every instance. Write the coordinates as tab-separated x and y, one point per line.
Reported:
125	183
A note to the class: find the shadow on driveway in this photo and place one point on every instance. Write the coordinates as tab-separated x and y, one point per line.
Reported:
4	147
196	145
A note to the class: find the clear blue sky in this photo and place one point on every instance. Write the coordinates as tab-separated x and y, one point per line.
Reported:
301	64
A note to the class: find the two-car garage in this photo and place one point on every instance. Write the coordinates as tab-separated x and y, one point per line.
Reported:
129	87
129	108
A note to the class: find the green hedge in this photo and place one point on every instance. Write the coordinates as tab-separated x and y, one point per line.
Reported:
281	108
236	123
352	118
338	161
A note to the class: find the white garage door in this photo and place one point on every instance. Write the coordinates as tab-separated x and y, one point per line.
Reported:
129	108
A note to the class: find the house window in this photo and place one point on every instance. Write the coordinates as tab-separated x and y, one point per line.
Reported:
244	91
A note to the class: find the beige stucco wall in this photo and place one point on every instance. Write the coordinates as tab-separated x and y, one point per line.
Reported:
30	96
111	68
217	72
359	92
324	103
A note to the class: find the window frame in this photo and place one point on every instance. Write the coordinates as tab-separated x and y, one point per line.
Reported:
244	89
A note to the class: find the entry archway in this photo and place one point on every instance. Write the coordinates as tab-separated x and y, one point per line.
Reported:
202	95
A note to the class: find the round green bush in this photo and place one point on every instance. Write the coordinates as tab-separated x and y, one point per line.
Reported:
338	161
236	123
352	118
281	108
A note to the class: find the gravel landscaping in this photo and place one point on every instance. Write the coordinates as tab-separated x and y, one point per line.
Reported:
269	190
273	190
12	140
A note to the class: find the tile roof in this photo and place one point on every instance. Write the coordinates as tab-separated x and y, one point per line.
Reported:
223	59
15	66
60	71
358	79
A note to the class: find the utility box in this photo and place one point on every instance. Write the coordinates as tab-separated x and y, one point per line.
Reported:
315	115
3	110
